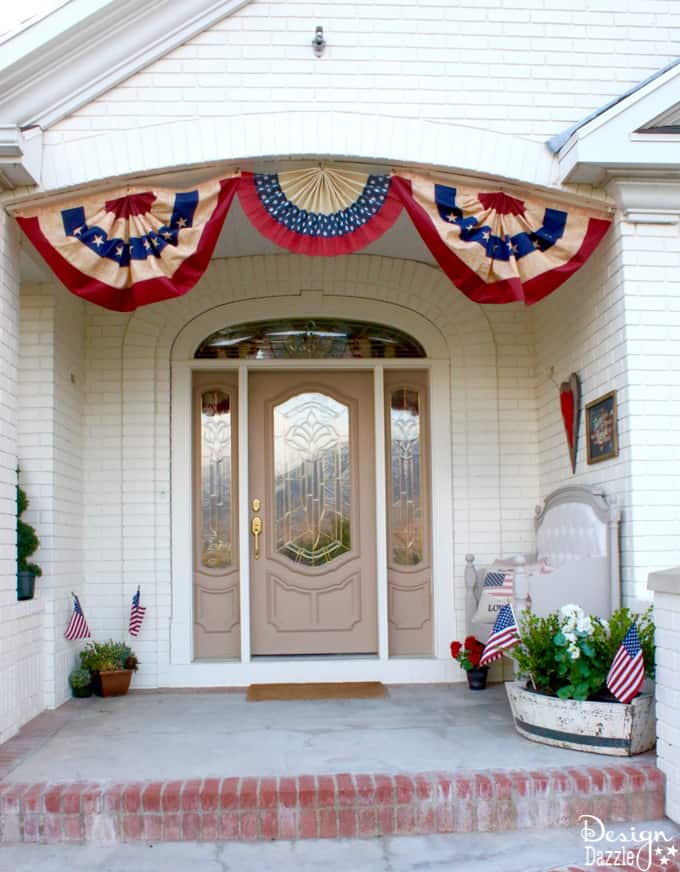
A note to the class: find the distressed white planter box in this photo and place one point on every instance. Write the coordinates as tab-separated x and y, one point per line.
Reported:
597	727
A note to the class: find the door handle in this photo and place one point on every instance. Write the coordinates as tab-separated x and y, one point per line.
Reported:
256	530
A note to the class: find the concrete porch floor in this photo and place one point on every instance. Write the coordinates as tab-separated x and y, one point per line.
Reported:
175	735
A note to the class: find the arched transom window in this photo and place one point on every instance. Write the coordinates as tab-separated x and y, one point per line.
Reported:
299	338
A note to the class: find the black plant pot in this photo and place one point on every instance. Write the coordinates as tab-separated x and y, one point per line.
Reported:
477	677
82	692
25	585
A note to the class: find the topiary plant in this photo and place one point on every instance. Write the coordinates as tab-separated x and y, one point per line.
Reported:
27	540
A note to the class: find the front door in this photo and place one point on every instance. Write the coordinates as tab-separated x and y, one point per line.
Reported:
312	513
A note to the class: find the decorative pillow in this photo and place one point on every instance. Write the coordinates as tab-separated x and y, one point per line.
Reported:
498	588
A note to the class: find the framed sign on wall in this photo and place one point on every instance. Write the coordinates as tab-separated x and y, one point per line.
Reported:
602	441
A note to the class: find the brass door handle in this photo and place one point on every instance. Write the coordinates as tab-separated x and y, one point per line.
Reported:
256	530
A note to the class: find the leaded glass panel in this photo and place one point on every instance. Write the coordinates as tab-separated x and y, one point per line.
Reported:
312	463
294	338
406	516
216	534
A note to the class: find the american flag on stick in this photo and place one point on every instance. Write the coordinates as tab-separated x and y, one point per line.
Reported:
137	613
77	626
627	671
504	635
498	583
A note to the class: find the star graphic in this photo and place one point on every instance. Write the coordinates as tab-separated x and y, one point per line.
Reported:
181	222
486	235
98	240
672	851
515	249
664	861
147	244
451	217
119	250
166	234
658	852
78	231
155	241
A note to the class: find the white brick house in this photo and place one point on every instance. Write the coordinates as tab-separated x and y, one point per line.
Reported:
95	405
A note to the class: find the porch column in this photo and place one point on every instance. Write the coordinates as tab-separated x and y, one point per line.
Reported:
649	405
666	588
9	330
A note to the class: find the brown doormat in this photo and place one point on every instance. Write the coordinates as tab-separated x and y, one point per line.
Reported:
331	690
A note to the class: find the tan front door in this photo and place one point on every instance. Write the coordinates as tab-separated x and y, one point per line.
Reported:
312	487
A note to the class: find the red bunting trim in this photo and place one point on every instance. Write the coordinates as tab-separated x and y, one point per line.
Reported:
299	243
508	290
150	290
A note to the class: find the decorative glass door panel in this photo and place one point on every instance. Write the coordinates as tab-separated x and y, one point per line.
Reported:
313	487
216	577
312	497
409	576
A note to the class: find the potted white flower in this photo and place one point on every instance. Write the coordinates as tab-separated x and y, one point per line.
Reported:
561	697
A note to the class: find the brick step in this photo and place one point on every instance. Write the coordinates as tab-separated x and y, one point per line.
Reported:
327	806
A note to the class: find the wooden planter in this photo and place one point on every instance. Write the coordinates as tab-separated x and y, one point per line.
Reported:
597	727
113	683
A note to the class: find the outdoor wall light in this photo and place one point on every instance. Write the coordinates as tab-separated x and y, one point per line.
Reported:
318	43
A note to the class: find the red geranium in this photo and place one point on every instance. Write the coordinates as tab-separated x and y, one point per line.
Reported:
467	653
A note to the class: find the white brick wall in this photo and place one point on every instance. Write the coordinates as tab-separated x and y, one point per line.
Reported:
50	451
21	642
513	66
666	587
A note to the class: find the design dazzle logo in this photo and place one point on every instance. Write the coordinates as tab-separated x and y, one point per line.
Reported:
633	849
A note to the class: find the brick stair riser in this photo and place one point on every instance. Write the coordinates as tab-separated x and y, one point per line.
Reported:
326	806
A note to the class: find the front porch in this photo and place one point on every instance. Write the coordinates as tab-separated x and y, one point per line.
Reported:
189	765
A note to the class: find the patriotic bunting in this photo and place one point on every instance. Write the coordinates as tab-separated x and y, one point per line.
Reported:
131	247
320	211
496	248
137	613
77	626
627	672
505	635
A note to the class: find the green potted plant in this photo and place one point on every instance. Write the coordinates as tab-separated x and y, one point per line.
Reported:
81	682
468	654
27	544
561	697
111	665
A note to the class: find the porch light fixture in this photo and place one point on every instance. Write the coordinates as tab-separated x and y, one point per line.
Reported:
318	43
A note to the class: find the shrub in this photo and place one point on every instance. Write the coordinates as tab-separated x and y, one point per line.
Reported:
107	656
80	678
569	654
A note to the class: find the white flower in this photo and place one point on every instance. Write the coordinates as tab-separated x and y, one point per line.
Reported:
569	610
569	636
574	651
604	624
584	625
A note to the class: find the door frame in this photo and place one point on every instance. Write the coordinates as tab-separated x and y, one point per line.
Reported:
183	669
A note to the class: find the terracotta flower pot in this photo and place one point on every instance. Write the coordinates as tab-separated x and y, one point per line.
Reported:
477	677
113	683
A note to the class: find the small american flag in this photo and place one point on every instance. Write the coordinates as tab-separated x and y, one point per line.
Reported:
498	583
77	626
628	667
137	613
504	635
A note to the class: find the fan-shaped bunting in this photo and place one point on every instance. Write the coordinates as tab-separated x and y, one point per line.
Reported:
321	210
496	248
135	246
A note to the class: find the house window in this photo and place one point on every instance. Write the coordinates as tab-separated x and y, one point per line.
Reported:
292	338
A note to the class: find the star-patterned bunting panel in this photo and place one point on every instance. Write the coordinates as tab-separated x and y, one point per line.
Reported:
321	210
131	247
496	248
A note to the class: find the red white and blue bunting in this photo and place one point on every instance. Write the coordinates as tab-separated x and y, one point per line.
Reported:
132	247
320	211
496	248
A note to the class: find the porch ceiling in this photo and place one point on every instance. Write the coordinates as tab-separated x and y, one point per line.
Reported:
239	239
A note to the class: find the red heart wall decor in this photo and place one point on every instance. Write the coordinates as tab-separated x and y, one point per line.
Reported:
570	403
